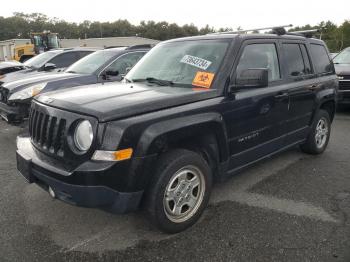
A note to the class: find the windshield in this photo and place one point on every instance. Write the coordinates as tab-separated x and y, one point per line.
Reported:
90	63
184	64
52	41
39	60
343	57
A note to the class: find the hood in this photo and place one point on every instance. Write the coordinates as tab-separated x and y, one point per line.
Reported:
342	69
119	100
18	75
9	64
32	79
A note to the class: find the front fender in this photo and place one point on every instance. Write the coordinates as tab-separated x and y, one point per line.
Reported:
179	128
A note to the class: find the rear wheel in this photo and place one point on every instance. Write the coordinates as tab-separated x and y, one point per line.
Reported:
179	191
318	138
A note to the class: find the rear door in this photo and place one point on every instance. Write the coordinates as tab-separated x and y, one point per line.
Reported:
302	89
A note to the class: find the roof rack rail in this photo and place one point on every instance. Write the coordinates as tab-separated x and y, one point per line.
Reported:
114	46
275	29
306	33
145	46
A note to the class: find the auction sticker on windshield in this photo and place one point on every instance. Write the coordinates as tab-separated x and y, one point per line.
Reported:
203	79
196	61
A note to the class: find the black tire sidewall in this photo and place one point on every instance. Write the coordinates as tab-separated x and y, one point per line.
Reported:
169	164
311	140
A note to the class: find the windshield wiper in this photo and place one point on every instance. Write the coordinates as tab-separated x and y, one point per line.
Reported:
157	81
70	71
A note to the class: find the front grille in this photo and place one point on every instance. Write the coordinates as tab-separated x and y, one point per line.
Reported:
47	132
3	94
347	77
344	85
50	130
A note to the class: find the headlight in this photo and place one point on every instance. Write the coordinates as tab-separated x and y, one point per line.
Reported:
28	92
83	135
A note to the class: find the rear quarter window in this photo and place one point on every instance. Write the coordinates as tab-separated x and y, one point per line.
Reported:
320	59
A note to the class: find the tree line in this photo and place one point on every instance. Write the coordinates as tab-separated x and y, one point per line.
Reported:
20	25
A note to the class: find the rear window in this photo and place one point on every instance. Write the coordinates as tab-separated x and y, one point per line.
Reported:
297	59
320	58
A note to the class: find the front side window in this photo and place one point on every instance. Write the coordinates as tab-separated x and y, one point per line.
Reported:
185	63
320	59
260	56
124	62
91	63
343	57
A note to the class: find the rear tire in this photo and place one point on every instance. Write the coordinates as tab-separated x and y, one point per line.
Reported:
179	191
318	138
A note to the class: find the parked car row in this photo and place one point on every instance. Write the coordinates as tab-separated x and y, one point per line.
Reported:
48	72
9	67
192	112
342	67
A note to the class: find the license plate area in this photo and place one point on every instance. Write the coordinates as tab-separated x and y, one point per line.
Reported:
24	167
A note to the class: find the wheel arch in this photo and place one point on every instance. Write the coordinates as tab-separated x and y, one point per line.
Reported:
330	107
184	132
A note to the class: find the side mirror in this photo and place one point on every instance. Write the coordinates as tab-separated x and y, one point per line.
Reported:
112	73
253	78
49	66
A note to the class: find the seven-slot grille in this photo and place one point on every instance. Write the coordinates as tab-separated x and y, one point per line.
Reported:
344	85
47	132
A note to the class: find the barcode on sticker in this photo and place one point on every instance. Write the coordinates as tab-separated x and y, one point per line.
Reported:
196	61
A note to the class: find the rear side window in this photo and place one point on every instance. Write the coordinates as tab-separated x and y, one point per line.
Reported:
65	59
294	59
260	56
306	57
320	58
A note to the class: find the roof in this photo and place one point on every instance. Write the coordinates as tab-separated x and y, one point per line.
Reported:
92	49
246	36
129	48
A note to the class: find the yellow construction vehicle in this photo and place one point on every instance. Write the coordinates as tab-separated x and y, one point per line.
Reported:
40	42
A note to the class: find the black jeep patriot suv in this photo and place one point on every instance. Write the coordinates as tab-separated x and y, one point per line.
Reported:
193	111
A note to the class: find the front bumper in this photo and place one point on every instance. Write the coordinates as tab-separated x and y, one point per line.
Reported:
13	113
101	196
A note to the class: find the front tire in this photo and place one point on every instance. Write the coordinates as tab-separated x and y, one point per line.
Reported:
318	138
179	191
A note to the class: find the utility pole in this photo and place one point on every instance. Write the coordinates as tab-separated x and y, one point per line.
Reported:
101	30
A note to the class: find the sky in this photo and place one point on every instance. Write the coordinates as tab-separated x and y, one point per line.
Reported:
218	13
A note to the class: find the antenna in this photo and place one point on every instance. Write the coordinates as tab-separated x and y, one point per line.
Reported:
275	29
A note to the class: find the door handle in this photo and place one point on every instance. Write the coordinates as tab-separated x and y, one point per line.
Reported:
281	96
